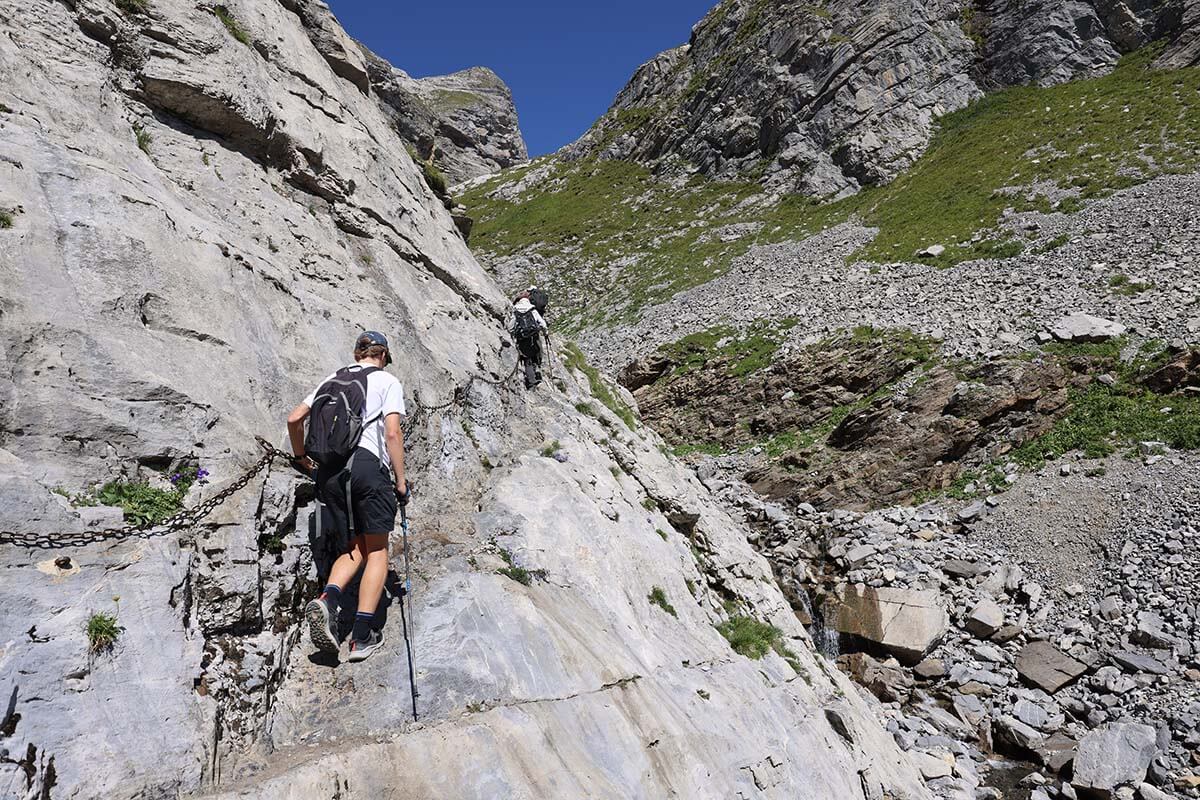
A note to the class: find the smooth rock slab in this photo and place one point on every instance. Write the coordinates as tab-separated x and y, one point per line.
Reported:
1113	755
1046	667
905	622
1086	328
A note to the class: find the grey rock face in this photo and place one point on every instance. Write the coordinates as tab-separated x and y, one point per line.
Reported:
1114	755
467	120
1046	42
203	226
824	99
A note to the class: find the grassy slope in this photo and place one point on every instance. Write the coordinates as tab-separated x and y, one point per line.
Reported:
617	233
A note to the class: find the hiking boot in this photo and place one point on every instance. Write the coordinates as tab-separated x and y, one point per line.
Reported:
362	650
322	615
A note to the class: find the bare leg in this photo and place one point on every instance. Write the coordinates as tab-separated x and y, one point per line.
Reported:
347	565
373	549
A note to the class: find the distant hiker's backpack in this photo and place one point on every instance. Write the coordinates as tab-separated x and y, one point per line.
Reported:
335	424
540	300
525	326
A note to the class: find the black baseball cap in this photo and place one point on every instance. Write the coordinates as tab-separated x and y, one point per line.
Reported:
369	338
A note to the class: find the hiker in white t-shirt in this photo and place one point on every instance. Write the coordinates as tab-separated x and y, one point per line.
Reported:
358	498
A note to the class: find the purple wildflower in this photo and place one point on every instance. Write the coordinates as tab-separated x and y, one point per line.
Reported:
176	478
201	474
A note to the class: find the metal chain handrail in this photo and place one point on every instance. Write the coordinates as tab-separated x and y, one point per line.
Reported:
186	518
189	517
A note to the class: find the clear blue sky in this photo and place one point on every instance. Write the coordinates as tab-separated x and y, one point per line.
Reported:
565	60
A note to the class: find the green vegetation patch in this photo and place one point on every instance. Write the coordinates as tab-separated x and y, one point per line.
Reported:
231	24
1103	419
134	6
749	637
658	598
574	359
626	240
102	632
1124	285
453	99
143	137
435	179
747	352
6	219
517	573
551	448
142	503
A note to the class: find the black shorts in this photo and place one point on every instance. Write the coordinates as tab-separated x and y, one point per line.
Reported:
372	500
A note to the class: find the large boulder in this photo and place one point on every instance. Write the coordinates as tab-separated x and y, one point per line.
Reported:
1083	328
905	622
1113	755
1046	667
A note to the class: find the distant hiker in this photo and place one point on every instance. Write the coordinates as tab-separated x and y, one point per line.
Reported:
355	448
527	329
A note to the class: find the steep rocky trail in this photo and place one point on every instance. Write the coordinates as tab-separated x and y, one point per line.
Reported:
202	206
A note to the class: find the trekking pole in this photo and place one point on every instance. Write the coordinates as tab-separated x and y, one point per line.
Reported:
405	593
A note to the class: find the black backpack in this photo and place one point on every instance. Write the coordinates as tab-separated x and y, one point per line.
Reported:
540	300
525	326
335	424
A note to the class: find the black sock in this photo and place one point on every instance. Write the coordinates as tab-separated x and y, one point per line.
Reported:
333	593
362	626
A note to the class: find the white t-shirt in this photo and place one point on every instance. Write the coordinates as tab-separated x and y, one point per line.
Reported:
385	395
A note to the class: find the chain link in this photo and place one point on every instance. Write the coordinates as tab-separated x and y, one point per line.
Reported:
190	517
186	518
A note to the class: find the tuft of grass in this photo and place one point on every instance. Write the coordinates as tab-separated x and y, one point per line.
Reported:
551	448
662	534
144	139
1124	285
6	219
102	632
134	6
749	637
658	598
4	109
691	586
574	359
517	573
231	24
703	694
271	543
434	178
1053	244
142	503
649	503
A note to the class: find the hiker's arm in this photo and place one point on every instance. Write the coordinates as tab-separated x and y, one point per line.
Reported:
394	440
296	434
